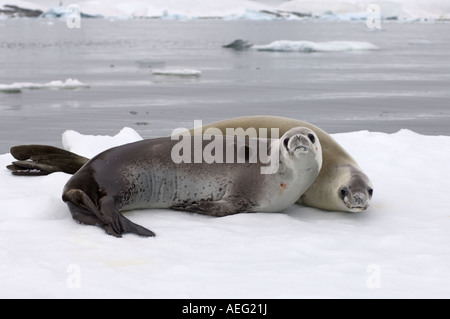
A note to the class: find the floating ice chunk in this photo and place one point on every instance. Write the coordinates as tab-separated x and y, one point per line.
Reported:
68	84
11	88
309	46
19	86
178	72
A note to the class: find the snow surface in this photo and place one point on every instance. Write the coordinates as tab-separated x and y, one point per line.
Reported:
82	144
246	9
399	248
309	46
19	86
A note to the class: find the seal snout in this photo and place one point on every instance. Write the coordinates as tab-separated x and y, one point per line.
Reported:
355	201
299	143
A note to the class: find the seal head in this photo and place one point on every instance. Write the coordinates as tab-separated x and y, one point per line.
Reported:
355	194
300	161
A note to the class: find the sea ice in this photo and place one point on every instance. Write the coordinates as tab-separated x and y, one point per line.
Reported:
398	248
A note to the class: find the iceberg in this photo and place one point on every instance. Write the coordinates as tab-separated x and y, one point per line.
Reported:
357	9
63	12
236	9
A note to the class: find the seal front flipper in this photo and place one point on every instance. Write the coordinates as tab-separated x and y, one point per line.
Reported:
117	223
130	227
43	160
218	208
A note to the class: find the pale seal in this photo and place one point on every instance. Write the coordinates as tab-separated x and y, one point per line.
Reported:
341	184
144	175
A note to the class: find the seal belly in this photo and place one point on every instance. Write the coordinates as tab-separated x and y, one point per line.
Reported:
147	188
193	188
165	187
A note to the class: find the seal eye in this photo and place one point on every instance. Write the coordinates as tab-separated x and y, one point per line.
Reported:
286	141
344	192
370	191
311	138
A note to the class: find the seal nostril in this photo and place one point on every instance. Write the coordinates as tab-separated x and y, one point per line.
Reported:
312	138
359	198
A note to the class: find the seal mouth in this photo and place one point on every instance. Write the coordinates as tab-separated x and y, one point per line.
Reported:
355	208
355	201
301	143
300	149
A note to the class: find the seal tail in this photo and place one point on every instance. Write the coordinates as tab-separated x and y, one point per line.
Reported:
37	160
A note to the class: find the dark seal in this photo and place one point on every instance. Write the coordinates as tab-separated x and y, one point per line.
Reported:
145	175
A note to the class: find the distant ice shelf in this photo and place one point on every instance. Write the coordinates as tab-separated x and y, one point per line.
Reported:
341	10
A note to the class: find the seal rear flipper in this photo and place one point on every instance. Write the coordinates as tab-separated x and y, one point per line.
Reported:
43	160
107	216
85	212
83	216
19	170
31	168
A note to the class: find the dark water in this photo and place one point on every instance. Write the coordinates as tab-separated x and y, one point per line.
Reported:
404	85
